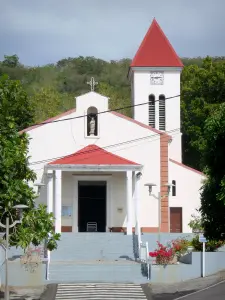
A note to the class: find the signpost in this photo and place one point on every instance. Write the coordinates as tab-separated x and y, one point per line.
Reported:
203	240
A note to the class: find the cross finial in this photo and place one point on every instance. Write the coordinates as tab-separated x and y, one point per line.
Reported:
92	83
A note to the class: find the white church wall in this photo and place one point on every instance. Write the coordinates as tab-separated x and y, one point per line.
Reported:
87	100
67	196
118	200
117	135
188	184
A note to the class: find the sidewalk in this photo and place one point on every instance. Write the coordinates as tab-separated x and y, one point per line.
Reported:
172	291
24	293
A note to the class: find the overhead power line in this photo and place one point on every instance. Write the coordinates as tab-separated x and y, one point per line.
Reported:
101	112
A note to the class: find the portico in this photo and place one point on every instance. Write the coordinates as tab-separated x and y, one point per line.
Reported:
121	180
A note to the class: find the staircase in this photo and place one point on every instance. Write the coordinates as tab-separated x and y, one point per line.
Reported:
95	257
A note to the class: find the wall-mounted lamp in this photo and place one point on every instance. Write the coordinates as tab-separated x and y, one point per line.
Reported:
39	186
150	186
159	198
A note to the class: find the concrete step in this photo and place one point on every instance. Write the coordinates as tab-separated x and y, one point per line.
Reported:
96	272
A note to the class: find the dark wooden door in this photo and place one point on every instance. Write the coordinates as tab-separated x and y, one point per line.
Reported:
175	219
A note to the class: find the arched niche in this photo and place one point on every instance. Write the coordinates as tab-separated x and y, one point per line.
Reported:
92	121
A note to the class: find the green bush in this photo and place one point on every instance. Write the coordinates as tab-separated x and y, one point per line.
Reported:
210	246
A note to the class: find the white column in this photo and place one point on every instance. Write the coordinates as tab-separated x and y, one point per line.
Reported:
137	206
58	200
109	222
50	192
129	202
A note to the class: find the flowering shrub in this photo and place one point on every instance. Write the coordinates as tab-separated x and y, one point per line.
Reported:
163	254
180	246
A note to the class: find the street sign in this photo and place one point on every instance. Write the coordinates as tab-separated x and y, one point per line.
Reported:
202	239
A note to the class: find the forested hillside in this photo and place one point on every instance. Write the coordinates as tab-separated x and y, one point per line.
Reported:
51	89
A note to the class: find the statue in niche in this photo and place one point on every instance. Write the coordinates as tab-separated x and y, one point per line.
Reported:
92	126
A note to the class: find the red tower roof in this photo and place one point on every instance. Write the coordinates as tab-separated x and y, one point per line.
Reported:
156	50
92	155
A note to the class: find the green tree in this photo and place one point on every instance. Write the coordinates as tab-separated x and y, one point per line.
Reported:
15	175
213	190
11	61
14	171
36	227
14	102
203	89
48	102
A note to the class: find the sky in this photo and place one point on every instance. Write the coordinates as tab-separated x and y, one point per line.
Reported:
45	31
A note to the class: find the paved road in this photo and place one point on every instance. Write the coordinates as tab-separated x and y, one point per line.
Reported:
216	292
100	291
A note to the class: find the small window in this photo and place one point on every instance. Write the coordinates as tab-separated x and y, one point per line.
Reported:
151	111
162	112
174	188
92	121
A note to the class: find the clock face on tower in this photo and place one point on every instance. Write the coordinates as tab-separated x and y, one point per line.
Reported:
156	78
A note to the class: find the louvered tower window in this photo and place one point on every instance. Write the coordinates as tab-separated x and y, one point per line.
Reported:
151	110
162	113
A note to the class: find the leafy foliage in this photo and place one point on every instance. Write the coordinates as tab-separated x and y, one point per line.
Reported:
180	246
210	246
36	227
11	61
196	223
213	190
203	89
15	174
14	171
14	103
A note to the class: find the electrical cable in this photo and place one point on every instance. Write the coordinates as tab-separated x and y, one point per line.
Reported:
98	113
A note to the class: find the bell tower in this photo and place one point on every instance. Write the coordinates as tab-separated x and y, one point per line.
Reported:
155	80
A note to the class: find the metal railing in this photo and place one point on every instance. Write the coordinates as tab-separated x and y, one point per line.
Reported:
144	257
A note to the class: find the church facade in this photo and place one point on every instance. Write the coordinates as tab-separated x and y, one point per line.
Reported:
103	171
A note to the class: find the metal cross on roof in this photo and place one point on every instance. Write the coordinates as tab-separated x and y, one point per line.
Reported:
92	83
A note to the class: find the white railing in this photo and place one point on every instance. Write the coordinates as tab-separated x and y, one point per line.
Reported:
144	257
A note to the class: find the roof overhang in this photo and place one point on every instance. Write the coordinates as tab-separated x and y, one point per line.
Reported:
98	168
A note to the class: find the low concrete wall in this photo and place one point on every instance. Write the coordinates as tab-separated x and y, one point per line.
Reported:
190	267
18	276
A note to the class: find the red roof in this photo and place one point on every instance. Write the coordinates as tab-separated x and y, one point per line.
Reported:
156	50
92	155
